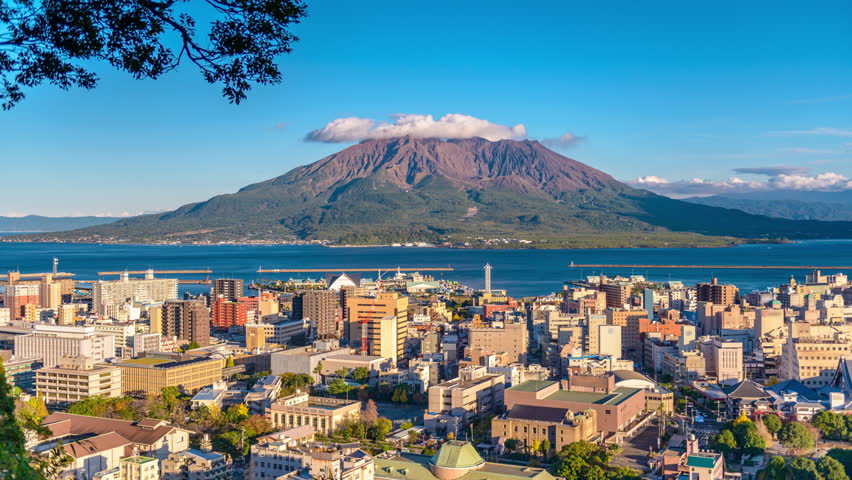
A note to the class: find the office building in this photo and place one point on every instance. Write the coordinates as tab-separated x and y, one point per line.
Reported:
322	309
195	464
617	295
610	340
20	295
373	311
76	379
454	404
509	337
149	374
812	360
21	373
228	313
51	343
323	414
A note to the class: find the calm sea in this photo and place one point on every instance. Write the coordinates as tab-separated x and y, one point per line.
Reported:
520	272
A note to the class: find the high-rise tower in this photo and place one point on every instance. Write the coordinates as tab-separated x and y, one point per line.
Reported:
487	278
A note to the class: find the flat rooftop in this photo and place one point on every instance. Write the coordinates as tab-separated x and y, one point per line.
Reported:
616	397
146	361
532	386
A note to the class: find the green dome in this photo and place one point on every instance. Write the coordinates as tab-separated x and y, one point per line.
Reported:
456	454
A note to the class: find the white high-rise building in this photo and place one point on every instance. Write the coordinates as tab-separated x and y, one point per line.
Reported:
135	290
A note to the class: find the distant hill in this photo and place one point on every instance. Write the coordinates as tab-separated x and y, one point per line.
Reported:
405	189
36	223
790	204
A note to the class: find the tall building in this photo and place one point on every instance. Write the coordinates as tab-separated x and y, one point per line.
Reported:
19	295
135	290
487	278
648	302
188	320
716	293
374	310
610	340
227	313
617	294
724	360
508	337
228	288
322	308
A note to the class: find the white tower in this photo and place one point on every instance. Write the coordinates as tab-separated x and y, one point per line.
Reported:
487	278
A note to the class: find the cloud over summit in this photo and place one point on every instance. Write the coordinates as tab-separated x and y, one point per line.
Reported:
451	126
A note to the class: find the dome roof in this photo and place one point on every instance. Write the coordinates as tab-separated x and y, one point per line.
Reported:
457	454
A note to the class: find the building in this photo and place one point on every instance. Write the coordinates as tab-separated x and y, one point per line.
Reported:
264	335
509	337
21	373
19	295
716	293
322	309
188	320
152	372
76	379
155	438
559	426
617	295
51	343
145	342
323	414
134	290
139	468
456	403
373	311
609	340
121	332
724	360
454	460
195	464
228	313
276	459
230	289
812	360
616	407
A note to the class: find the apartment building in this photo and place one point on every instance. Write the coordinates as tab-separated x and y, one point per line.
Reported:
135	290
509	337
52	342
373	311
322	308
812	360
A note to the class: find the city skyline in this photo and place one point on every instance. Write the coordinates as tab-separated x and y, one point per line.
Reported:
664	94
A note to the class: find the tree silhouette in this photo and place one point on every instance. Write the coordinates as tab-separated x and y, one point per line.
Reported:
55	42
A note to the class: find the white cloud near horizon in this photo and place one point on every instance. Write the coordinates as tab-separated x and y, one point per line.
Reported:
824	131
698	187
450	126
80	214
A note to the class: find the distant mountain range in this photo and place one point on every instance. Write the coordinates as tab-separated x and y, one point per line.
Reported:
36	223
406	189
790	204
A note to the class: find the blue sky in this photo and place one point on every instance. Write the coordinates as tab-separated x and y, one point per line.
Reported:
670	91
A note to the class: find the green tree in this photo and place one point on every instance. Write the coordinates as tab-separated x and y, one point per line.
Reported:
802	468
831	469
773	423
535	446
775	469
229	363
511	444
831	425
338	386
406	426
544	448
400	394
844	456
428	451
342	372
725	443
796	436
58	42
361	374
381	428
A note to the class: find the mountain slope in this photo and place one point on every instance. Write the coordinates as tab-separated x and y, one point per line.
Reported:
406	189
37	223
794	205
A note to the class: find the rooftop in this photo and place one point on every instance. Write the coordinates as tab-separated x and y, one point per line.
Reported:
618	396
532	386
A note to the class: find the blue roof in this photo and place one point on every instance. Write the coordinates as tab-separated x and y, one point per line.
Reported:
795	386
207	394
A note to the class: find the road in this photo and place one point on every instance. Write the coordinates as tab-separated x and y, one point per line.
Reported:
636	449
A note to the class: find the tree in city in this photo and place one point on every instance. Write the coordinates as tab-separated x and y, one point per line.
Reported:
511	444
229	362
796	436
535	446
725	443
338	386
361	374
544	447
413	436
844	456
802	468
400	393
291	382
831	425
776	469
773	423
381	428
59	42
342	372
831	469
583	460
370	413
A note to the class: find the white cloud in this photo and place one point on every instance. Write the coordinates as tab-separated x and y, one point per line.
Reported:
565	141
825	131
828	181
454	125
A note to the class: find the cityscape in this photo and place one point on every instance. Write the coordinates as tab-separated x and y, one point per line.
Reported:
384	240
393	374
